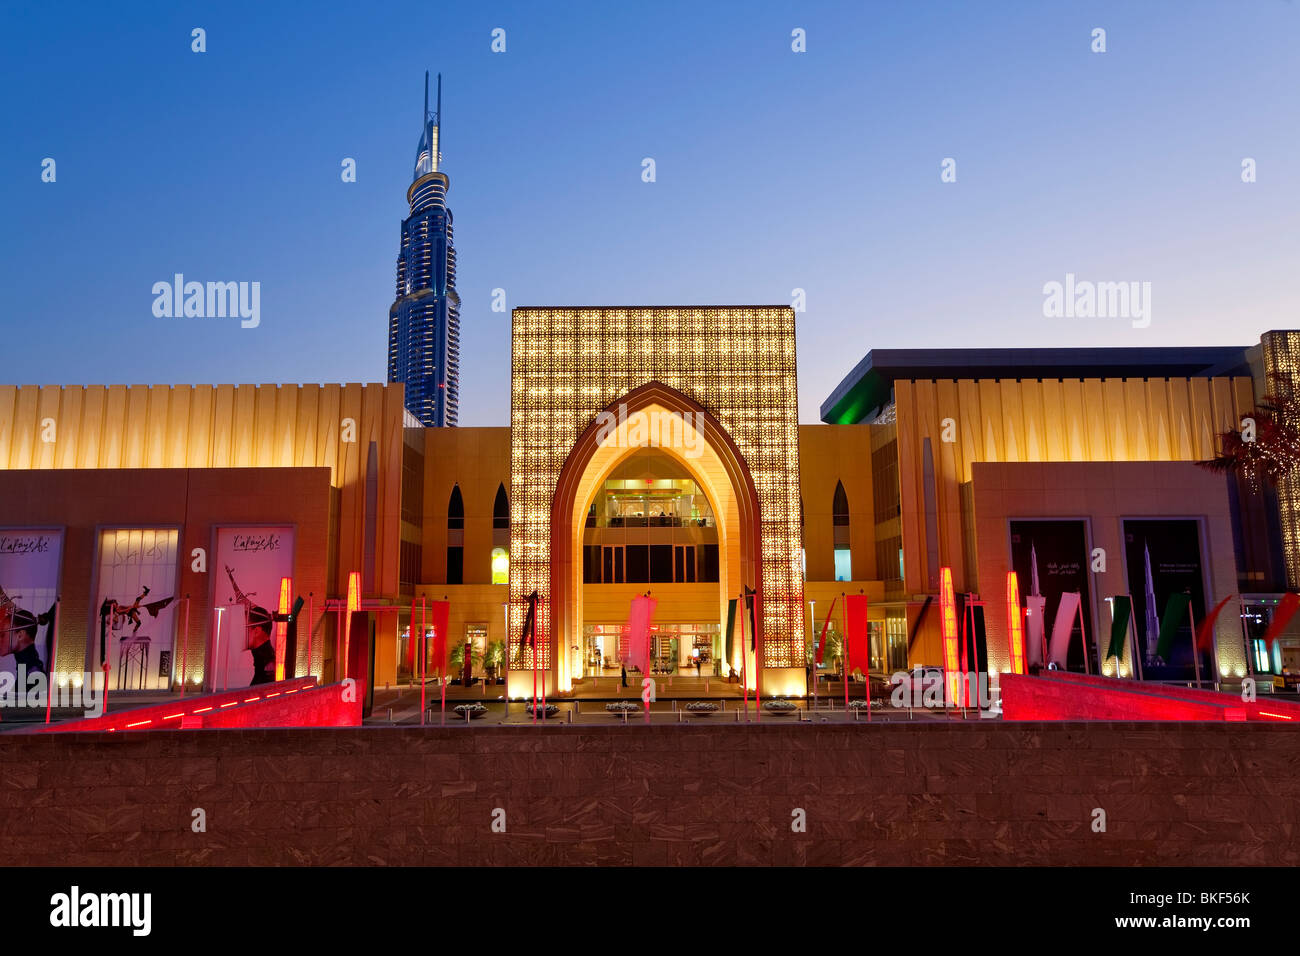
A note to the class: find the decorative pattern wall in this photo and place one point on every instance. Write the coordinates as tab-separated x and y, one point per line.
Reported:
1282	357
738	363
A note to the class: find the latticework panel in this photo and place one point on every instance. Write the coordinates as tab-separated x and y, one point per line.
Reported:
1282	360
738	364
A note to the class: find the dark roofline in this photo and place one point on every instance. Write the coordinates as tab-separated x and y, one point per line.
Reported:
871	383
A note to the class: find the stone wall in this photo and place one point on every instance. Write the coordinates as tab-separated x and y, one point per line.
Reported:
970	793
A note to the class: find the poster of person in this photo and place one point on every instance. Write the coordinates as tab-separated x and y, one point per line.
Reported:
1162	558
1050	559
30	559
135	607
250	563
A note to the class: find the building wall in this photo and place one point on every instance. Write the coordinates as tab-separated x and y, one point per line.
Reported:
962	793
1052	420
226	426
478	460
829	454
1104	494
737	363
197	501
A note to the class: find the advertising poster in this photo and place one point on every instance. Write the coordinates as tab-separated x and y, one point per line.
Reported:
29	583
1050	558
1163	557
250	563
135	607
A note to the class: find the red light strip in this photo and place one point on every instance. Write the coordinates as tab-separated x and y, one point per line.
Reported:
1015	625
948	622
282	627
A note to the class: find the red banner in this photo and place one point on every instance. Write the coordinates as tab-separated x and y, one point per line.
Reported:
439	612
1205	633
638	632
1286	609
855	626
821	644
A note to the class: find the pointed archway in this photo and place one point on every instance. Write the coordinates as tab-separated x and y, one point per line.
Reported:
696	439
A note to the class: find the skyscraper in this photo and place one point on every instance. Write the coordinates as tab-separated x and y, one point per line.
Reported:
424	320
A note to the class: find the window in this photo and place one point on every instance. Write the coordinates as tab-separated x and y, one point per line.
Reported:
840	530
456	538
500	566
501	510
456	511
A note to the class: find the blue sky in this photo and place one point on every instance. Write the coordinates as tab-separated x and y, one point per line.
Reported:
775	170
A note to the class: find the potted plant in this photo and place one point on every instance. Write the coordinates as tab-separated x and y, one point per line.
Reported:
475	710
493	658
702	708
464	657
780	707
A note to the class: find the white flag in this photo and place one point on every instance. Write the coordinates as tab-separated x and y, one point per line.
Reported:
1036	606
1062	626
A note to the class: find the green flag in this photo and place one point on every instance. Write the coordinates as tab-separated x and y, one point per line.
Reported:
731	628
1175	612
1121	607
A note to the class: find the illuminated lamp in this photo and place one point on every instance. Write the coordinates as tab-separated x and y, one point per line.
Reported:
948	623
500	566
1015	625
282	626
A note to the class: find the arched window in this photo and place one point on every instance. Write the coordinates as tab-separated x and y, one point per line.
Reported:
456	511
456	538
501	537
501	510
840	531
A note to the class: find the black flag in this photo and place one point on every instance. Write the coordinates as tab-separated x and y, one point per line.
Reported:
528	637
750	594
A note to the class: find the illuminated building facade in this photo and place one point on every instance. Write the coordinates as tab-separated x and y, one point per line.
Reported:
657	449
424	319
588	388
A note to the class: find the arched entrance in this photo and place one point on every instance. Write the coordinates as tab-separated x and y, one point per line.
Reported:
652	416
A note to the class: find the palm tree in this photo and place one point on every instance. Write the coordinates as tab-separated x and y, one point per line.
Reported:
1273	452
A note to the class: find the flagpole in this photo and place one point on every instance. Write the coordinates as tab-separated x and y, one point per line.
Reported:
758	660
744	656
961	656
54	656
311	613
1083	637
442	667
1196	651
412	642
1137	652
424	657
812	632
844	640
185	643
